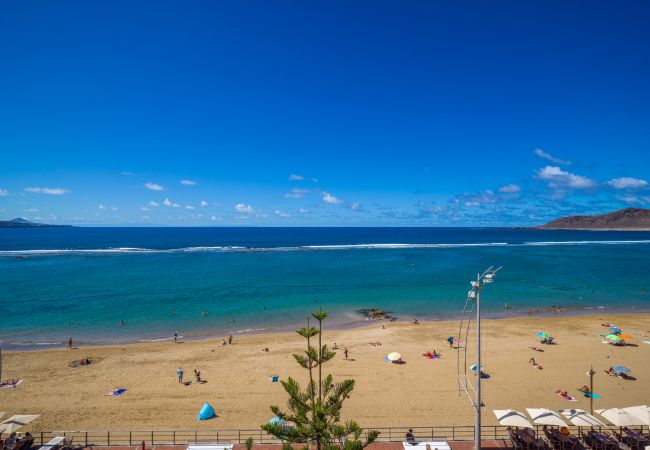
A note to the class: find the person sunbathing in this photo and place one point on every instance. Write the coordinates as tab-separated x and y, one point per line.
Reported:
585	390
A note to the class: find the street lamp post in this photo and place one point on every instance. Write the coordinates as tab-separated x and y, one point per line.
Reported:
474	300
591	374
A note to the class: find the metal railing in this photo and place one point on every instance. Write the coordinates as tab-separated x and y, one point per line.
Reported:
259	436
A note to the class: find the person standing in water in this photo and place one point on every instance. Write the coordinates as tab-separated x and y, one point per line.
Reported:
175	337
70	342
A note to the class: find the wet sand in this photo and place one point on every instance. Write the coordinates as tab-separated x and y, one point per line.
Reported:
421	392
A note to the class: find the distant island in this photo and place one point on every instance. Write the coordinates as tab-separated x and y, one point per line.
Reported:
24	223
629	219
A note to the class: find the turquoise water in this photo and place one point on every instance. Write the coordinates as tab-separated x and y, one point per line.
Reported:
122	285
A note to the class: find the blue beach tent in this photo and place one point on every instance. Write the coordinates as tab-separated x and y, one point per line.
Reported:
207	412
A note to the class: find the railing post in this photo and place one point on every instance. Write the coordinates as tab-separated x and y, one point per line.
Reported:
130	436
174	436
86	439
195	436
390	434
42	439
108	437
152	443
453	433
239	437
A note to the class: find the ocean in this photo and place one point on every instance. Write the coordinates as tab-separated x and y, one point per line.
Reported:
118	285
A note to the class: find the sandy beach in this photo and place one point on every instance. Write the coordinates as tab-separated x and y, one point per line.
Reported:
421	392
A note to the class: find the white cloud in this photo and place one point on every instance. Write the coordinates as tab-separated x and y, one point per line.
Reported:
204	203
113	208
145	208
243	208
46	190
189	207
154	187
355	206
32	210
127	174
329	198
315	180
544	155
472	203
154	204
634	200
4	192
627	183
294	177
215	218
281	213
558	178
100	206
188	182
303	211
168	202
509	189
296	193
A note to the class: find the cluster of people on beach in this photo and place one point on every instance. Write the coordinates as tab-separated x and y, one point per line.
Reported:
180	373
13	443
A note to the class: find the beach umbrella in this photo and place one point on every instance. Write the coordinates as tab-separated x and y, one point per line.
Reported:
621	369
641	412
581	418
542	335
394	356
613	337
512	418
473	368
278	421
625	336
543	416
620	417
15	423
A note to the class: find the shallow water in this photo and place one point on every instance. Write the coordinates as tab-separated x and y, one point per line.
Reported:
127	284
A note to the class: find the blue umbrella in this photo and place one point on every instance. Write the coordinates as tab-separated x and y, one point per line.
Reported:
615	330
621	369
277	420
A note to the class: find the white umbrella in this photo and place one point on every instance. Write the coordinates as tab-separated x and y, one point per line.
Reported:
15	423
619	417
544	416
394	356
512	418
581	418
641	412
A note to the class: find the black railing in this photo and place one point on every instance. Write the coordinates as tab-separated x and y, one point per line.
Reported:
183	437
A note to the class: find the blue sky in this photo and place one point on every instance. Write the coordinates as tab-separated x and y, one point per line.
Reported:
323	113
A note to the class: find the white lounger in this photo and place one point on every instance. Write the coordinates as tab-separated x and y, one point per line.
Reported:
53	443
210	447
422	445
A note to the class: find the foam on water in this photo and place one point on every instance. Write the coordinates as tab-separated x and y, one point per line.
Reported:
207	249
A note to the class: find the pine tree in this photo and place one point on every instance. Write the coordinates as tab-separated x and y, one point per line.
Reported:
315	411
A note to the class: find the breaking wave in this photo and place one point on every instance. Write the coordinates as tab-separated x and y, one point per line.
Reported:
303	248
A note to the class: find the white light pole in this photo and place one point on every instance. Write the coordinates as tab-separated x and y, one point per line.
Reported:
474	301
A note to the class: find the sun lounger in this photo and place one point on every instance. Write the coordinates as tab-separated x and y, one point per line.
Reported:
210	447
634	440
422	445
54	442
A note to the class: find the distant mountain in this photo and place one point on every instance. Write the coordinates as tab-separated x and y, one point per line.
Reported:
19	222
625	219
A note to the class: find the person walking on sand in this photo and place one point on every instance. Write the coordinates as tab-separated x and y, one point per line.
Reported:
230	338
345	352
70	342
450	339
179	372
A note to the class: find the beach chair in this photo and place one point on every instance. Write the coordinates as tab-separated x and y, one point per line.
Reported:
210	447
56	442
633	439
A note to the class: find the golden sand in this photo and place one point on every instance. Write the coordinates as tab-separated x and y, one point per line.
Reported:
421	392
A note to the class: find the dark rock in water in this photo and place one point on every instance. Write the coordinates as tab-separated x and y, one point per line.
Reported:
376	313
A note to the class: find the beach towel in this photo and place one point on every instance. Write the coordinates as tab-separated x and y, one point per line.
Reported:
274	378
115	392
566	397
11	385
